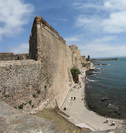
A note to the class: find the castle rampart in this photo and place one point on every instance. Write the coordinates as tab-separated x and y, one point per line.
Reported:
6	56
12	56
48	70
18	80
56	58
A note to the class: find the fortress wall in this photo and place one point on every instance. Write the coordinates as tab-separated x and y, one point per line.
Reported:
83	59
21	56
56	58
18	80
49	71
6	56
12	56
76	58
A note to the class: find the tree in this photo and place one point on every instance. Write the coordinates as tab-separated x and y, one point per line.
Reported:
75	72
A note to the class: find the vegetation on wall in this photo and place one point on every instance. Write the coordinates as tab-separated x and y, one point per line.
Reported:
21	106
75	72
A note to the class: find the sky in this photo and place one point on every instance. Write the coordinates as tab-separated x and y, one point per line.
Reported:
97	27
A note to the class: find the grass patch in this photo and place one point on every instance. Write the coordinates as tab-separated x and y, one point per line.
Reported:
61	123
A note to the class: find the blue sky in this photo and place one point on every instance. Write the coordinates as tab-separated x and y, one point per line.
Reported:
97	27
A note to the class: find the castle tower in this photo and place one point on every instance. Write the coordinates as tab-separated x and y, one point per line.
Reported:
84	59
88	57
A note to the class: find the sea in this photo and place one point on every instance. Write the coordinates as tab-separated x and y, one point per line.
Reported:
106	88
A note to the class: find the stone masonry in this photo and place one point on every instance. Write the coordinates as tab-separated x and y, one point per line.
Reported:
45	78
56	57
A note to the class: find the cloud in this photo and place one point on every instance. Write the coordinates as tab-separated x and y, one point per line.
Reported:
98	47
115	5
23	48
104	39
13	15
103	50
109	16
71	40
116	23
88	5
88	23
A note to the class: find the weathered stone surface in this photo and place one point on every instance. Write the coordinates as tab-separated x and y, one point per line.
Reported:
12	56
14	121
56	57
19	81
76	58
6	56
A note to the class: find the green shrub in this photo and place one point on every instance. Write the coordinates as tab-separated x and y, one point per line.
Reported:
45	86
32	106
75	72
38	91
21	106
34	95
30	102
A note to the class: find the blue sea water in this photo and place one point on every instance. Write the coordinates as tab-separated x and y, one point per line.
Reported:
106	88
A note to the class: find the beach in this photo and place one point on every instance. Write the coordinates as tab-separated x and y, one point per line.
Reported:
78	112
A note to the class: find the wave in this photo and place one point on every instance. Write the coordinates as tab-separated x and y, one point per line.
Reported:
95	72
90	80
98	69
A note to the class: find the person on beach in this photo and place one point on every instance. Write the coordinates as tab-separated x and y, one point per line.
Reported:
64	108
71	98
106	120
113	123
74	98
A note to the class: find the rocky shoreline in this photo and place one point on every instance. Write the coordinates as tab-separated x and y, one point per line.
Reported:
100	103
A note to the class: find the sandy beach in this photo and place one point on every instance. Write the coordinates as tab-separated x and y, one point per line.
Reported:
79	114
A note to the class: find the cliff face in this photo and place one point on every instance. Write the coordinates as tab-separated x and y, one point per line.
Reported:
45	79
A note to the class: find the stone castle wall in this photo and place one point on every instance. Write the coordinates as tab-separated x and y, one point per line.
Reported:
6	56
12	56
48	69
18	80
76	58
56	57
83	59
